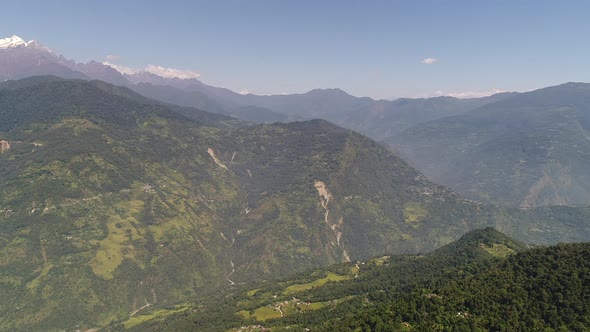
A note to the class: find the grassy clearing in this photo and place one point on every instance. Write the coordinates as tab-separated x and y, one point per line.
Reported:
136	320
414	212
379	260
244	313
288	308
316	283
253	292
161	229
118	243
265	313
498	250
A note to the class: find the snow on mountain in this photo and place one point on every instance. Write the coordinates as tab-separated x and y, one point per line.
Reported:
20	58
16	41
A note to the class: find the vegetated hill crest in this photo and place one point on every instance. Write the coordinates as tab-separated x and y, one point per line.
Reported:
456	287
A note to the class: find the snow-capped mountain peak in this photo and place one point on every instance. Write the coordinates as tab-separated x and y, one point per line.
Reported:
13	41
16	41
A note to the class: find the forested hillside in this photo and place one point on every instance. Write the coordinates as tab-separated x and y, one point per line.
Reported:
483	282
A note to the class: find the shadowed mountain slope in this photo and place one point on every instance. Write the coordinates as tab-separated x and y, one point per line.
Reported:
529	150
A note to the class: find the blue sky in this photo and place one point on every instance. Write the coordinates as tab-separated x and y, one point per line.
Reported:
367	48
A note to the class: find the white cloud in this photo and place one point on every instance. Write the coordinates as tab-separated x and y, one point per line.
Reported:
244	92
171	72
113	58
153	69
121	69
474	94
460	94
429	61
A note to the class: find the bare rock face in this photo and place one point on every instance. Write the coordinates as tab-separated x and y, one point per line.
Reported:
4	146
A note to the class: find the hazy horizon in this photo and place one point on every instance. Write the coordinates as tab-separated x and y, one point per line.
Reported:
383	49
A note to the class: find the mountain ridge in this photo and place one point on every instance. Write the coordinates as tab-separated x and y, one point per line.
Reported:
333	105
527	150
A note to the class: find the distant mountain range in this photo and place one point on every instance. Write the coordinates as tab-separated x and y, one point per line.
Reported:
376	118
111	203
523	150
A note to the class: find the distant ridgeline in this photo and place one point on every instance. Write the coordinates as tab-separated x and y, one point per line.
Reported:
532	149
113	206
